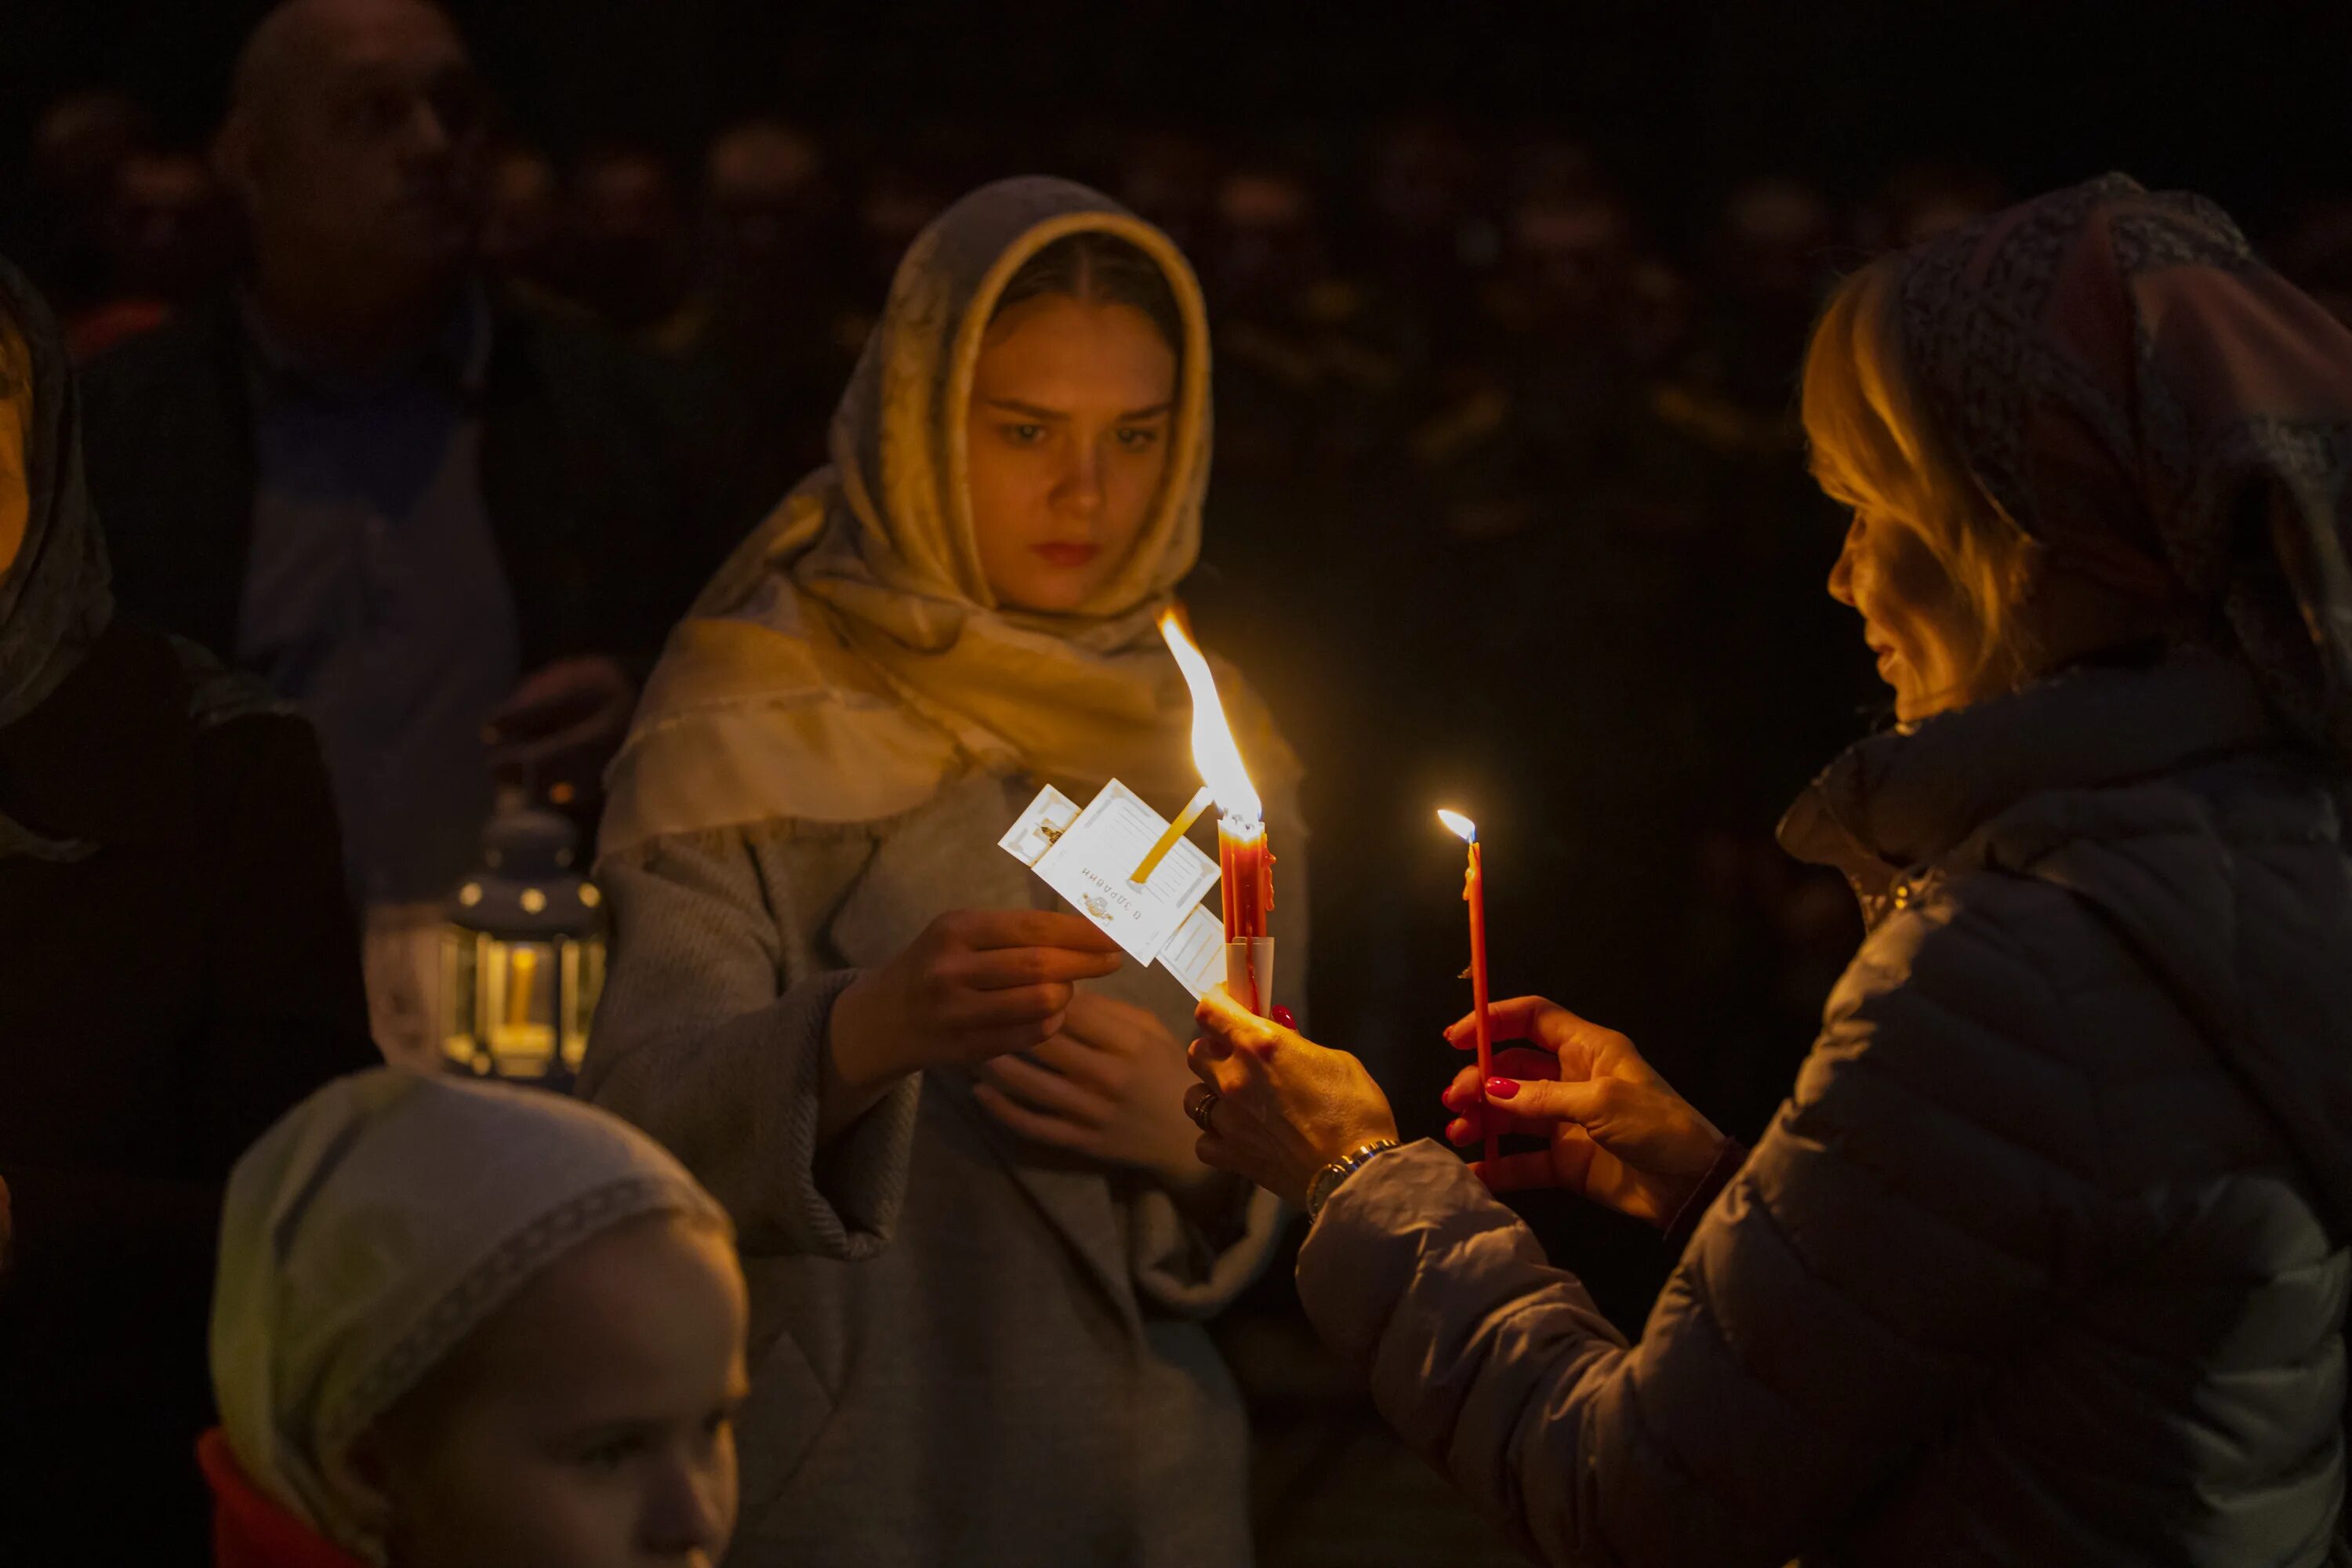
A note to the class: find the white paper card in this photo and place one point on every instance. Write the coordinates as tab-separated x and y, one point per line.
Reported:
1195	956
1034	832
1090	861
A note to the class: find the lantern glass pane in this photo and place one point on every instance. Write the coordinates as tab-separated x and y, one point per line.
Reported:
460	1042
584	983
521	986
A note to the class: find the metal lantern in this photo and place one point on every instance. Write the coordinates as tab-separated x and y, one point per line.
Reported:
522	955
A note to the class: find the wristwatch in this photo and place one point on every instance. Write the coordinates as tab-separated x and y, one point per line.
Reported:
1327	1180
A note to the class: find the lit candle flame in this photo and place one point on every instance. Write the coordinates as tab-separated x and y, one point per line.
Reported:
1461	825
1214	752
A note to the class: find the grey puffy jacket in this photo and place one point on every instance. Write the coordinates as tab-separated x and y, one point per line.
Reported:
2044	1260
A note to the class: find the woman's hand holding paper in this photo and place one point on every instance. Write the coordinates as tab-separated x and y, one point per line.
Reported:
1109	1086
1615	1132
977	984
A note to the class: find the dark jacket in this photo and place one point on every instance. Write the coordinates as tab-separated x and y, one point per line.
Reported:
599	483
167	995
2044	1259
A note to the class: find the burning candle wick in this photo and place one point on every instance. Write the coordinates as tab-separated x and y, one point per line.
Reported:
1245	864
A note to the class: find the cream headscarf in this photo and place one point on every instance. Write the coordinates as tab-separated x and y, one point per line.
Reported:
850	657
375	1225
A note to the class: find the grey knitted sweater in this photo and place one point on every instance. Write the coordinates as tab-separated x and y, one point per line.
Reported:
965	1349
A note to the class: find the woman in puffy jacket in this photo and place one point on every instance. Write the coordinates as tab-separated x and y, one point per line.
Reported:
2044	1259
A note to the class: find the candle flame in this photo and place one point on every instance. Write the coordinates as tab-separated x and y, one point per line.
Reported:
1214	752
1461	825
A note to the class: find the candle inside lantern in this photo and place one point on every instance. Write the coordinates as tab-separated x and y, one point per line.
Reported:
1243	859
523	971
522	1035
1473	893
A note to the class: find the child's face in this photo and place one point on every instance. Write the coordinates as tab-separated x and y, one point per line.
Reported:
587	1424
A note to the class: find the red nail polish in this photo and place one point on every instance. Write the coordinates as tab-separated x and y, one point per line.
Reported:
1285	1016
1501	1088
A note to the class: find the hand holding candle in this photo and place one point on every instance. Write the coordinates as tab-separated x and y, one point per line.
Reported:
1611	1129
1473	893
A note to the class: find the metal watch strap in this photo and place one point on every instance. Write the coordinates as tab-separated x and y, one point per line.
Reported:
1327	1180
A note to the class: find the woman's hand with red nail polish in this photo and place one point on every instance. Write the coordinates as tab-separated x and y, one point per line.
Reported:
1614	1131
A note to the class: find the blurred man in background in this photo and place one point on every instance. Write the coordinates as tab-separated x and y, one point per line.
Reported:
430	519
166	244
630	249
522	225
784	330
79	140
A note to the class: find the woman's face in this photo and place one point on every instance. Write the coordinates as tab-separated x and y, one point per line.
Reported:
587	1424
1066	442
1913	615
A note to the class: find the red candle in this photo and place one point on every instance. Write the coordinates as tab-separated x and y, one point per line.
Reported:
1247	868
1473	893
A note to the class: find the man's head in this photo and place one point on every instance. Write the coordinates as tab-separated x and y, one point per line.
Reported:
632	257
164	231
78	142
522	214
354	143
1265	242
1770	242
764	184
1574	255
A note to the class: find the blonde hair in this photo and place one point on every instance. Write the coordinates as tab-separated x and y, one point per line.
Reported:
1876	447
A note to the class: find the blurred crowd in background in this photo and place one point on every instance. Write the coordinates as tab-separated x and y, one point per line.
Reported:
1509	512
1509	508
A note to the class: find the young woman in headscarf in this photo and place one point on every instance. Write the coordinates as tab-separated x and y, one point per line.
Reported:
177	967
949	1124
2045	1259
465	1325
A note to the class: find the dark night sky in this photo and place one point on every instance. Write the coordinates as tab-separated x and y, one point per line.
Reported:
2250	100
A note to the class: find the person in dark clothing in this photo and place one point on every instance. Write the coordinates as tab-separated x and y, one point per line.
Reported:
415	508
177	967
2045	1256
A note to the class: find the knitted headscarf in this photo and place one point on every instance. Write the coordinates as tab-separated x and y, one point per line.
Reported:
2143	396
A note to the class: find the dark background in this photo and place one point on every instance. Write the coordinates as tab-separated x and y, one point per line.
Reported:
1627	686
2251	102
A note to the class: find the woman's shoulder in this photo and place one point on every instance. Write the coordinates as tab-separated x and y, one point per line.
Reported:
766	714
2158	881
2239	798
215	695
776	646
2009	994
249	744
1971	936
152	739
